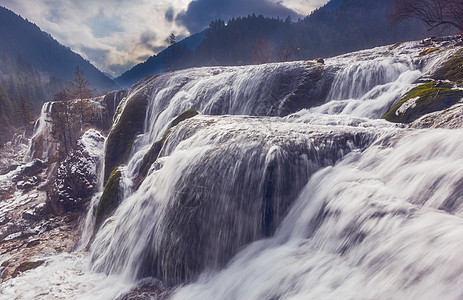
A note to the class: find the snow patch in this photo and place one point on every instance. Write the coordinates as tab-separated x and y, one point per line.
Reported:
411	103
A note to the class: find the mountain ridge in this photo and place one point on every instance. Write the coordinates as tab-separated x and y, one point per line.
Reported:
43	52
340	26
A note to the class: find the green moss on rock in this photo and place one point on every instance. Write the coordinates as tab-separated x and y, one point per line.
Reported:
110	198
452	69
426	98
121	138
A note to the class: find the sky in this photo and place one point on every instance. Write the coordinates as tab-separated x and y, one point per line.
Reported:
114	35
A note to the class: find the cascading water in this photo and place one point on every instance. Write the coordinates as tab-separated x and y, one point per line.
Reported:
40	146
381	224
304	193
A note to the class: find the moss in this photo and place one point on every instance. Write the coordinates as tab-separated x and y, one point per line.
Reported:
110	198
26	266
430	96
121	138
452	69
183	116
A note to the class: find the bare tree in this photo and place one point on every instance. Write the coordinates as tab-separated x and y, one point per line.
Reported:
435	13
262	52
78	90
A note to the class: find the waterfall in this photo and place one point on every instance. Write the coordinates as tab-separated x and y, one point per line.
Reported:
40	144
287	185
381	224
222	181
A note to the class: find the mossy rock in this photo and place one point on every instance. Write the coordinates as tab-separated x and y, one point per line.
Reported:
110	199
121	138
452	69
26	266
427	98
151	156
183	116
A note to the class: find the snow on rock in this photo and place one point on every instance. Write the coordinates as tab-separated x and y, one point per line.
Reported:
411	103
76	177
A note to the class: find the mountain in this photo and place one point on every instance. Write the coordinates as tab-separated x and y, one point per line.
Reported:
33	67
341	26
158	63
26	41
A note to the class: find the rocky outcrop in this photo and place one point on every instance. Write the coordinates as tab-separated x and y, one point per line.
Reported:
121	138
110	198
429	103
76	178
451	118
110	102
424	99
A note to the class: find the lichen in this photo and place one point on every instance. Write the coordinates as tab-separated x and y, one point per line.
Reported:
428	97
110	198
122	136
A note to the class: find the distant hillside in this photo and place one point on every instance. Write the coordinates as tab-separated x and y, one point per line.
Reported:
340	26
162	62
20	38
33	67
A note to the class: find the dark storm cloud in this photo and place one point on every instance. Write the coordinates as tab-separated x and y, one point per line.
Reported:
201	12
169	15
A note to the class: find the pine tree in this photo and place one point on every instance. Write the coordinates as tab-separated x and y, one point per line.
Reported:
79	90
172	39
24	112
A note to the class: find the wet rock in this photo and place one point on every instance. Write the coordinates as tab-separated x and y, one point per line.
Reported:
424	99
110	198
26	266
28	184
76	178
124	132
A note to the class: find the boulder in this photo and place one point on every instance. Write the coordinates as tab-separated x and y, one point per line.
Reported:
75	180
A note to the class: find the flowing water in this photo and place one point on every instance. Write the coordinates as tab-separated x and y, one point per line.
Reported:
287	186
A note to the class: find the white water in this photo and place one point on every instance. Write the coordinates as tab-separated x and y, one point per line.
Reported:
384	231
41	128
323	203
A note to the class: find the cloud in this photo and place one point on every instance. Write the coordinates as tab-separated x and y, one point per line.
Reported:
303	7
109	33
169	15
116	34
200	13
